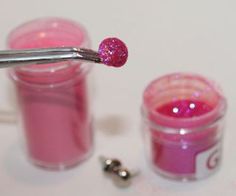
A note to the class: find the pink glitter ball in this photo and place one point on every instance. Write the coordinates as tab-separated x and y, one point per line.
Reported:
113	52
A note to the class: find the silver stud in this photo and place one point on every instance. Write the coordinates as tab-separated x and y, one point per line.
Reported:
114	168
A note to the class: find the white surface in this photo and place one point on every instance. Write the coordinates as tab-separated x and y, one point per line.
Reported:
163	36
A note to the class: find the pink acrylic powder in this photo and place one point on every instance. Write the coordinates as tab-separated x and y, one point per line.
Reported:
182	160
183	123
53	98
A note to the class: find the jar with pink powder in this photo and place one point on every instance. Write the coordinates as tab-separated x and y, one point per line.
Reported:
183	117
53	98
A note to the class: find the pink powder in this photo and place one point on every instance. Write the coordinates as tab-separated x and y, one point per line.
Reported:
184	124
53	98
184	108
174	158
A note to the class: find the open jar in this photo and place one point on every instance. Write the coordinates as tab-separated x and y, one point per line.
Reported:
53	98
183	126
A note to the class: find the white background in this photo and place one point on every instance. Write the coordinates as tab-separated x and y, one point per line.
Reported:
163	36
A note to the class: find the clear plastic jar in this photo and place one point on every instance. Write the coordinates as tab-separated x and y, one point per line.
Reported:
53	98
183	126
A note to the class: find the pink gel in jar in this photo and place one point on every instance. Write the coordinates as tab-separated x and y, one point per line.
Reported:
53	98
183	124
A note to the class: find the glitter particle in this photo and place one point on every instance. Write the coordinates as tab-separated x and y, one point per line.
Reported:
192	106
175	110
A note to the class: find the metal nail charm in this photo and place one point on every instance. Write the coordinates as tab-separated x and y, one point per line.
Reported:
114	168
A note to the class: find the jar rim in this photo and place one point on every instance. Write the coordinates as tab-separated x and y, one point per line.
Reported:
80	74
14	36
193	123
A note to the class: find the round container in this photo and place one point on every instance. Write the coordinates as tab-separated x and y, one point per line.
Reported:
53	98
183	123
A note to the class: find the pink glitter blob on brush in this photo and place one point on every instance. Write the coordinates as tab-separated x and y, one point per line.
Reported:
113	52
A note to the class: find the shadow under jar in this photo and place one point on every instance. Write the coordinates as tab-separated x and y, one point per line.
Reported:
53	98
183	126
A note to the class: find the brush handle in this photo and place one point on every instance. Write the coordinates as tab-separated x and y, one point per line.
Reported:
11	58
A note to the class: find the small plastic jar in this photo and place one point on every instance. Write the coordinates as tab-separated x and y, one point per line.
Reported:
53	98
183	126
